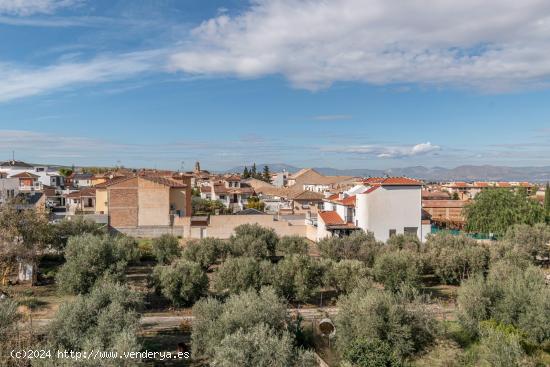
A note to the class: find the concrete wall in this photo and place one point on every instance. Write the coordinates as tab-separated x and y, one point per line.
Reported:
394	207
151	231
101	201
153	204
311	232
222	226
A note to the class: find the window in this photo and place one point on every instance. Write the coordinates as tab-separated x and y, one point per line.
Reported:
392	232
410	230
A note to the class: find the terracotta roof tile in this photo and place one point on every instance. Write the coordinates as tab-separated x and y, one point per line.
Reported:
331	218
25	175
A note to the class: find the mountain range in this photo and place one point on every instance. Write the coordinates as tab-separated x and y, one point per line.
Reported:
463	173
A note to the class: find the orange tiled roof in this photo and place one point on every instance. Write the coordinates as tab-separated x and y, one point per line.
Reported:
371	189
25	175
331	218
349	201
398	181
503	184
481	184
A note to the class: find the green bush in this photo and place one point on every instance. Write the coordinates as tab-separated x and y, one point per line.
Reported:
402	322
455	258
183	282
253	240
238	274
371	353
166	248
345	275
293	245
358	246
396	269
204	252
90	257
298	277
530	240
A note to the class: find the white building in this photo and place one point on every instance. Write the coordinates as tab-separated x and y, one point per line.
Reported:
46	175
384	206
230	191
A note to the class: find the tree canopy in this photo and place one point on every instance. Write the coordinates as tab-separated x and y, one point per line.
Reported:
493	211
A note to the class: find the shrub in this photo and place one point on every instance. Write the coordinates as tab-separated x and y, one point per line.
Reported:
371	353
397	268
511	296
166	248
345	275
530	240
90	257
293	245
204	252
238	274
77	226
104	319
298	277
455	258
215	320
404	242
183	282
401	322
253	240
500	346
358	246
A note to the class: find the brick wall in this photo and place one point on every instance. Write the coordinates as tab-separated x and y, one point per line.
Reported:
123	203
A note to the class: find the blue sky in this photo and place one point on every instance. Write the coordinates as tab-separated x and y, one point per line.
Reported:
353	84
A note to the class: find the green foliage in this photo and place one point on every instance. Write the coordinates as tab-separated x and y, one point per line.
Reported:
455	196
404	242
358	246
493	211
260	346
510	295
397	268
402	322
345	275
266	175
253	240
500	346
455	258
530	240
183	282
215	320
253	202
208	207
8	317
65	171
205	251
166	248
246	173
74	227
370	353
238	274
105	319
90	257
298	277
293	245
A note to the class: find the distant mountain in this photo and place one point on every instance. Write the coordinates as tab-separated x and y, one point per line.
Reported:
273	167
463	173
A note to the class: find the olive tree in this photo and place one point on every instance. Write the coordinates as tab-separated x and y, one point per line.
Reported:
402	322
106	319
183	282
253	240
166	248
62	231
238	274
358	246
345	275
298	277
510	295
455	258
215	320
293	245
395	269
531	240
90	257
204	252
370	353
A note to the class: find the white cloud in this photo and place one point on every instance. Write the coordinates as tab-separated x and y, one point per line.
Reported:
17	82
30	7
491	45
389	151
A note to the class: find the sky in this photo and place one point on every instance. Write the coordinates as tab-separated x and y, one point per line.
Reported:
341	83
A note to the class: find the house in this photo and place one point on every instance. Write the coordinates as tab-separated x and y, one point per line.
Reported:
306	202
9	189
150	205
229	190
101	195
45	175
28	182
82	180
82	201
383	205
466	190
311	180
